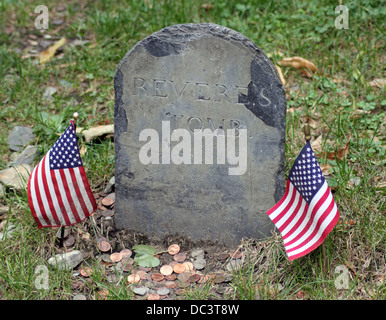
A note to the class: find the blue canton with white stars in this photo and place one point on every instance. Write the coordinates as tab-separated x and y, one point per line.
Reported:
65	152
306	175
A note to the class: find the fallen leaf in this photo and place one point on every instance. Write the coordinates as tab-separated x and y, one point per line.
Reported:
359	113
299	63
206	6
326	169
280	74
380	83
47	54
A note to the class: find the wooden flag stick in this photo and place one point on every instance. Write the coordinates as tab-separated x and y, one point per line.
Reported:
76	117
307	132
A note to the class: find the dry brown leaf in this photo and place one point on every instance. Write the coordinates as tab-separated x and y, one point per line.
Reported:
326	169
299	63
47	54
359	113
280	74
380	83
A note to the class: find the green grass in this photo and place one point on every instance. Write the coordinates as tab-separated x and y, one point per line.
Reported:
348	60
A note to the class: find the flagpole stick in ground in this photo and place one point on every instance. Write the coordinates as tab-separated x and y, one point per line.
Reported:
76	117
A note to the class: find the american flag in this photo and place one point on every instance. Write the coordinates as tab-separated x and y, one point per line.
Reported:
307	212
58	191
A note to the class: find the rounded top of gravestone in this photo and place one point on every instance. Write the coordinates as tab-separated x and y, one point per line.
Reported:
178	40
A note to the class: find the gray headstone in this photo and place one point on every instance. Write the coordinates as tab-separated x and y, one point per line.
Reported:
20	136
198	76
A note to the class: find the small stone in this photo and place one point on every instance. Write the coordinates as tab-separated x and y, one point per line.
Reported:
234	264
66	261
163	291
50	91
141	291
110	186
79	297
16	177
19	137
7	230
28	155
197	253
2	191
57	22
66	84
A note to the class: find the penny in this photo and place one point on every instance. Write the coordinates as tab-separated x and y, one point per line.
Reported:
170	284
184	276
68	242
235	254
116	257
86	272
222	256
188	266
157	277
166	270
133	278
153	296
104	246
204	278
126	253
179	268
142	274
108	201
174	249
179	257
194	278
171	277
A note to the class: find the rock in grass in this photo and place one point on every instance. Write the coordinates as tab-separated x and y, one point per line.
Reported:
16	177
66	261
19	137
27	156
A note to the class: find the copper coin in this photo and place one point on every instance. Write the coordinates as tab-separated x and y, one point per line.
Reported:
166	270
108	201
142	274
133	278
194	278
204	278
126	253
179	257
235	254
68	242
153	296
222	256
104	246
86	272
157	277
179	268
184	276
116	257
170	284
174	249
171	277
188	266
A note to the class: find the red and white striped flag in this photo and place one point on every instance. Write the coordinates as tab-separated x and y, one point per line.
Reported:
58	191
307	212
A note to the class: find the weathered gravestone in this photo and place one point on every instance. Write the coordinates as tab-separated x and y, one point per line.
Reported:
199	135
